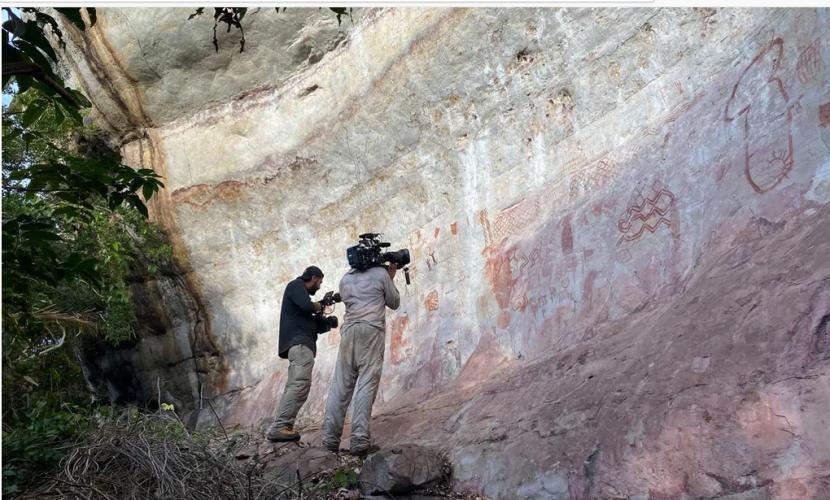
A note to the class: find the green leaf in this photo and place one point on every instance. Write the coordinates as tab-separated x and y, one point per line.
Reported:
137	204
65	210
148	190
10	52
14	25
43	19
16	131
24	82
32	113
41	236
135	184
34	36
38	58
28	137
19	175
72	112
59	116
115	200
81	98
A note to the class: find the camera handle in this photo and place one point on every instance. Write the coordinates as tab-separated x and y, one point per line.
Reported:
406	274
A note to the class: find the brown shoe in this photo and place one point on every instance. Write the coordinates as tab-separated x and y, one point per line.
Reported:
283	434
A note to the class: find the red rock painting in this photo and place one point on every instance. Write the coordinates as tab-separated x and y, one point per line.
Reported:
760	103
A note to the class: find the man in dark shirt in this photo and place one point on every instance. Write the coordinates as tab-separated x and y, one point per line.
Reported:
297	343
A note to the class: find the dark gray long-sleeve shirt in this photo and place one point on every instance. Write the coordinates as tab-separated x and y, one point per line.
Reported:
297	325
366	296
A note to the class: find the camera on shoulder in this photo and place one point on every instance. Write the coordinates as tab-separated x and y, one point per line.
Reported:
369	252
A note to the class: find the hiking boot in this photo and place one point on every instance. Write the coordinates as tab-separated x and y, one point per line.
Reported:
362	451
282	434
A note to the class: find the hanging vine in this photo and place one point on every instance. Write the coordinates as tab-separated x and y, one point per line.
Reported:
232	17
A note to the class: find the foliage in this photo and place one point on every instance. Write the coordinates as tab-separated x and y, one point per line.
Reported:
344	477
40	443
74	232
29	59
66	265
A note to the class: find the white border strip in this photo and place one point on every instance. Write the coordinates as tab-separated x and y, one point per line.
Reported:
435	3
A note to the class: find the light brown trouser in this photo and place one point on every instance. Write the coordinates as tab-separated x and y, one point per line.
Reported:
300	363
359	365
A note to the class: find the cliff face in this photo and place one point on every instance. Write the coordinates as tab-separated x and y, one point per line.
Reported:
618	219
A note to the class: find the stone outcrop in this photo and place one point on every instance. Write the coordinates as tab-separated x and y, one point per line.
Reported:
618	218
400	469
172	357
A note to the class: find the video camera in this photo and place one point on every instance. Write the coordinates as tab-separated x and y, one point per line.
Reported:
325	323
369	253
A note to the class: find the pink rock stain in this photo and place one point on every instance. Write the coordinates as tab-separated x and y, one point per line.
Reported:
497	269
396	340
567	235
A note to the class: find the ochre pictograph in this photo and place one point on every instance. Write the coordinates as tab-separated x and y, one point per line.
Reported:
809	62
591	178
567	239
672	116
519	303
515	219
484	220
432	301
824	114
761	102
647	214
398	343
523	262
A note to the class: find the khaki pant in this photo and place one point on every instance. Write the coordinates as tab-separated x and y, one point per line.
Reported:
359	365
300	363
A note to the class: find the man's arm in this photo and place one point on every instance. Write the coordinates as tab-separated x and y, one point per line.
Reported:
390	291
300	297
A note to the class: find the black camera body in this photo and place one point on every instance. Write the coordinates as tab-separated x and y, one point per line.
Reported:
369	253
330	298
322	322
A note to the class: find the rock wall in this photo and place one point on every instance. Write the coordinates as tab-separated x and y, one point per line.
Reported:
172	351
618	221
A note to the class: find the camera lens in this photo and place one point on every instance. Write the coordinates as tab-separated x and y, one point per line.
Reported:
401	257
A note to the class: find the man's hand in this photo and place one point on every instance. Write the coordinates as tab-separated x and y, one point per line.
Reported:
316	307
392	268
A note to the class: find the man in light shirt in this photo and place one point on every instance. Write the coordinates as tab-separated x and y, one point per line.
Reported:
366	295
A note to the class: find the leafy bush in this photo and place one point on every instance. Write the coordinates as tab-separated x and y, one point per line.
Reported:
74	231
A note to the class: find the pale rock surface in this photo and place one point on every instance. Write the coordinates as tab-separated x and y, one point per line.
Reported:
619	223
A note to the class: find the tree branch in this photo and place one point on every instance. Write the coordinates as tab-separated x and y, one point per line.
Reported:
31	69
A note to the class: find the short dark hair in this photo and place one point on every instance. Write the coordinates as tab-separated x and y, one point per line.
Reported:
311	271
